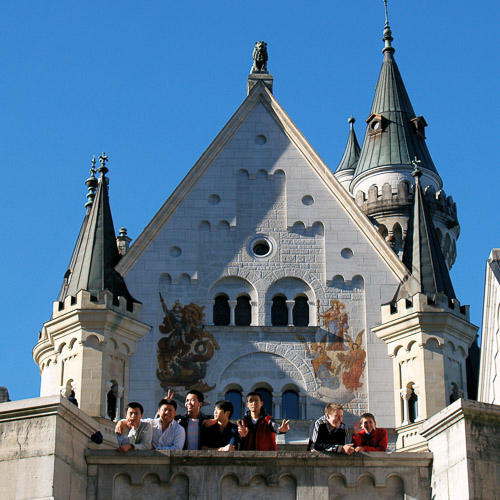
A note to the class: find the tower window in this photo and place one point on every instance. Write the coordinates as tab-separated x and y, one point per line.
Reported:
234	397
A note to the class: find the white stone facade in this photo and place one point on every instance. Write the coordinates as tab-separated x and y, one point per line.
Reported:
261	182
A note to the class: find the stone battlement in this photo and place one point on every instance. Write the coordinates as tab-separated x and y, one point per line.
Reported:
375	202
422	303
103	300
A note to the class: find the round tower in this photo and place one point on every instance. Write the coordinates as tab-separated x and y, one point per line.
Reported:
382	182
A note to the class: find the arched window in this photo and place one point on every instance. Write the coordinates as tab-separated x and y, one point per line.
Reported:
279	311
234	397
412	406
243	311
267	399
290	405
301	311
221	311
111	403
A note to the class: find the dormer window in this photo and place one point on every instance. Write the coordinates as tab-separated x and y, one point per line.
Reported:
376	124
419	124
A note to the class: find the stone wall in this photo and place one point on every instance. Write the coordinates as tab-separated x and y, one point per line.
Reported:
207	475
464	439
42	451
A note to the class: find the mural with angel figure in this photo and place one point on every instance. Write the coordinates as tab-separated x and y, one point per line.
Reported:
337	359
185	347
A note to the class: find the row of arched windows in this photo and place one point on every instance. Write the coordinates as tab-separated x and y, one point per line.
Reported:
289	403
283	312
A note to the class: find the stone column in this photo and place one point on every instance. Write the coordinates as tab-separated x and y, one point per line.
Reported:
255	313
406	410
232	307
302	406
277	401
312	312
289	305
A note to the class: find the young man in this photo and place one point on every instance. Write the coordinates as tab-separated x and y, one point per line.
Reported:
370	438
224	435
257	429
167	433
329	433
192	420
134	434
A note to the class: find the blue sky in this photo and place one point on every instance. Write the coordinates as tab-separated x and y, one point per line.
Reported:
151	83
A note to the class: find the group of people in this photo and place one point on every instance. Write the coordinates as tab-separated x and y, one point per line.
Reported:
255	431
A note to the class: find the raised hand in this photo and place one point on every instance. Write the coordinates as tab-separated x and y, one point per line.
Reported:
170	394
242	429
284	426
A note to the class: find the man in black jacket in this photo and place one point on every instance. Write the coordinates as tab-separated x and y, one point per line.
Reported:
329	433
193	419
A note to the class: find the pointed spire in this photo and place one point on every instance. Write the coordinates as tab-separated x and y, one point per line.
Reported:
96	252
394	134
422	253
351	153
387	33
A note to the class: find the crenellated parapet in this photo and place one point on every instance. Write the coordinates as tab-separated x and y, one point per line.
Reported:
102	300
390	210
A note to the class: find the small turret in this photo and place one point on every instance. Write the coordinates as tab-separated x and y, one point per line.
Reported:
84	350
427	332
345	169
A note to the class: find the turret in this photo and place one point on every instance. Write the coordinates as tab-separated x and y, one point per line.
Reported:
84	350
427	332
347	166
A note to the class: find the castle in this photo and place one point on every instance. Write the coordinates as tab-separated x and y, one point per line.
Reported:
267	270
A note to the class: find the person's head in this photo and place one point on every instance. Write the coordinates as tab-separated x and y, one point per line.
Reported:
134	413
367	422
334	414
194	401
223	410
166	410
254	402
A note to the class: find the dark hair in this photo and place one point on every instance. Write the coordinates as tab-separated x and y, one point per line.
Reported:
198	394
253	393
225	405
167	402
134	405
367	415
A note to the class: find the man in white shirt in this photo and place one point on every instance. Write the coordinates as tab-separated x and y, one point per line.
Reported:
167	433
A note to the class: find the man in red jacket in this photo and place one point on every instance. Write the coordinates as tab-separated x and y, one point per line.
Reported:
370	438
257	429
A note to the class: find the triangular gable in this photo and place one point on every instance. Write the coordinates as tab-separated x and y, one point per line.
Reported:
260	94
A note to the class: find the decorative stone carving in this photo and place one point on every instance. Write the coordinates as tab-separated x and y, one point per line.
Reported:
259	58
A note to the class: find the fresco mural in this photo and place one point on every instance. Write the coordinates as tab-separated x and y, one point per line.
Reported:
185	347
338	360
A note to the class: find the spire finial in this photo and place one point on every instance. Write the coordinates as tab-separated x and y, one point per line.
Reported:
417	173
387	33
91	183
103	170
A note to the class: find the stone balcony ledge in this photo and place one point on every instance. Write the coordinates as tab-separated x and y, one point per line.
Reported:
245	475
